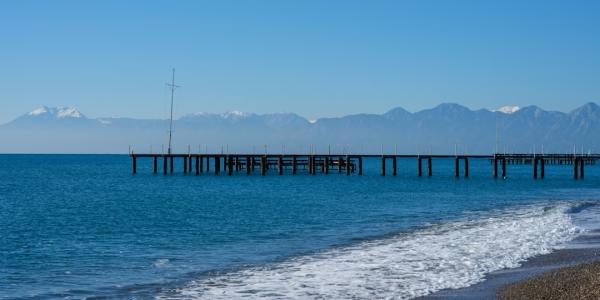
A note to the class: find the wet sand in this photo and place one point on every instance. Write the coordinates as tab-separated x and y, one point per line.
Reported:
581	260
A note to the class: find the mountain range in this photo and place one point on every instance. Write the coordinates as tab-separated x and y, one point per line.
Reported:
446	128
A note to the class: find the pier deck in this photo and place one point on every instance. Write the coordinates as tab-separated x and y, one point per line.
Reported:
353	164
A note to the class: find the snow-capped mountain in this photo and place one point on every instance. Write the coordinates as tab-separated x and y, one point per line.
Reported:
439	129
507	109
56	112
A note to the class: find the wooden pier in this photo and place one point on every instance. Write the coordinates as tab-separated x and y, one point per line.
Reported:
312	164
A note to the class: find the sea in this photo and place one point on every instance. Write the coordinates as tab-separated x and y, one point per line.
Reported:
85	227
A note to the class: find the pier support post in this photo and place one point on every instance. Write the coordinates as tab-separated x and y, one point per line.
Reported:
575	169
360	171
263	165
217	165
248	163
419	166
165	163
201	164
495	172
197	165
326	165
340	162
394	166
171	164
229	165
456	167
155	164
185	164
466	162
429	167
313	165
535	167
190	163
542	168
280	165
294	165
133	164
383	166
207	164
348	165
581	168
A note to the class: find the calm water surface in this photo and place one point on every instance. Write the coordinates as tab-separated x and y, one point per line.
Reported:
76	226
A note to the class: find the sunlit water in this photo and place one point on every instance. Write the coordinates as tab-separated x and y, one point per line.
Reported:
83	226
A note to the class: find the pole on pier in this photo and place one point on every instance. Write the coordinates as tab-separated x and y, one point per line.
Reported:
466	161
394	166
165	165
456	167
360	165
419	166
134	164
348	165
382	165
429	167
155	164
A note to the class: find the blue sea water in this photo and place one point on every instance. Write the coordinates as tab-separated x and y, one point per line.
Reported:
82	226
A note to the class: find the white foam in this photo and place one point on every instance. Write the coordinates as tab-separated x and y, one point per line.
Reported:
450	255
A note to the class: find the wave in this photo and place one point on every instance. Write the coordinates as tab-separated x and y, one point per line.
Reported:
444	256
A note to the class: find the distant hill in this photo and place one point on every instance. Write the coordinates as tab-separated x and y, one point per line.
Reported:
437	130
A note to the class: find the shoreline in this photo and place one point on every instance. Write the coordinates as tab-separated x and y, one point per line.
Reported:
517	283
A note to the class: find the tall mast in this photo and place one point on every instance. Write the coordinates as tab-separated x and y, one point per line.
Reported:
172	86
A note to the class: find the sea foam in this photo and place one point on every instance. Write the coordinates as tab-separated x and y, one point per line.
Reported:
404	266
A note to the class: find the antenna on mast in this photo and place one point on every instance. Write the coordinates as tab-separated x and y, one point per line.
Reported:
172	86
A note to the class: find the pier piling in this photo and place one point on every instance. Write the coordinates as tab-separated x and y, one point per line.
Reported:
134	164
429	167
155	164
360	165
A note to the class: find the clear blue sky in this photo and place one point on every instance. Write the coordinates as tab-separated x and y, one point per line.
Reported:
315	58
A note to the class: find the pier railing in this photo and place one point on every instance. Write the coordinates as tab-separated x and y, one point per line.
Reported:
351	164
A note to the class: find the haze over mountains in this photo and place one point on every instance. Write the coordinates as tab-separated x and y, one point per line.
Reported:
436	130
